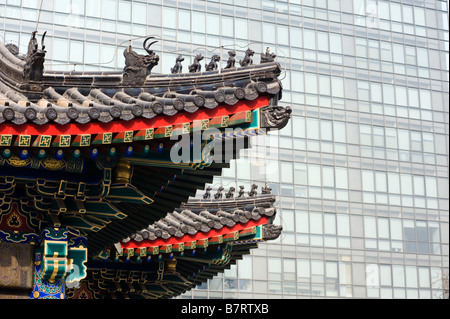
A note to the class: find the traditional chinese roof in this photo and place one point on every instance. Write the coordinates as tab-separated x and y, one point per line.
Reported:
201	220
200	239
103	97
91	149
91	153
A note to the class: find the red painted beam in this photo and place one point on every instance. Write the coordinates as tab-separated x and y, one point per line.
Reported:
132	125
199	236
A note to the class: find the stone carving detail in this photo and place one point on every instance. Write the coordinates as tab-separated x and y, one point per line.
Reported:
138	66
271	231
275	116
221	195
207	195
253	191
267	56
266	189
196	67
230	193
231	60
241	191
218	195
34	66
248	58
212	66
177	68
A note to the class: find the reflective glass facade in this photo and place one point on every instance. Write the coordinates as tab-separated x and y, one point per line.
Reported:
362	168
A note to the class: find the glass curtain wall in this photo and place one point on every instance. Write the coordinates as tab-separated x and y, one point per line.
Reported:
361	170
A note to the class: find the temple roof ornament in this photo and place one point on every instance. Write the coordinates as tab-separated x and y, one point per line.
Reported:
207	194
77	97
266	189
219	194
212	65
230	193
137	66
253	191
247	61
241	191
178	67
275	116
34	66
231	59
196	66
267	56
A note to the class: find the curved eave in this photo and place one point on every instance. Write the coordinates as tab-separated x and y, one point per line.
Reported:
205	237
78	98
208	236
115	127
140	216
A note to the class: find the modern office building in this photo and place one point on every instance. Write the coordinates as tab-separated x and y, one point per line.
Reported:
362	169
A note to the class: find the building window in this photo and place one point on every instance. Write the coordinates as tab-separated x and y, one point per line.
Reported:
139	13
169	18
124	12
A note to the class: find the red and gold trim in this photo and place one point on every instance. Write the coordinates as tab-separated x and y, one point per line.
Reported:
200	240
84	135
